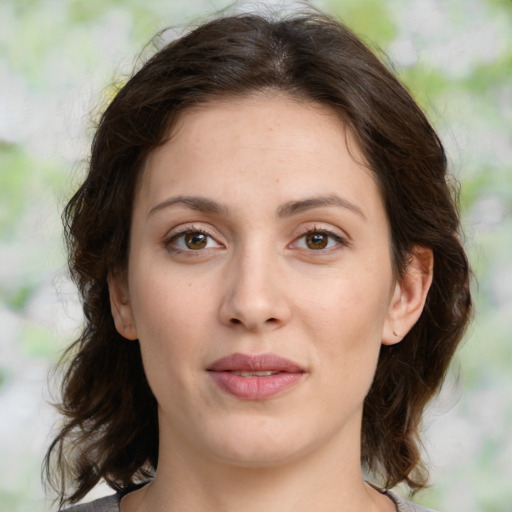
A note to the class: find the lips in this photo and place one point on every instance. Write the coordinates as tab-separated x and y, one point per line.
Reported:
255	377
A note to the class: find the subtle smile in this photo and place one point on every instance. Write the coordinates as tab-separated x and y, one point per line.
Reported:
255	377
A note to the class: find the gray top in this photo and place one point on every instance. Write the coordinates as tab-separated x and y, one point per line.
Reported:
107	504
403	505
111	504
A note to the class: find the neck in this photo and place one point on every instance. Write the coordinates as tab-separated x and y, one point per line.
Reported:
327	479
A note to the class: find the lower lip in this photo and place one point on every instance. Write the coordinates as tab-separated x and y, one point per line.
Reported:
255	388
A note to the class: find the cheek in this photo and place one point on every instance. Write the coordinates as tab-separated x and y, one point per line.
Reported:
163	299
348	302
346	322
173	315
168	330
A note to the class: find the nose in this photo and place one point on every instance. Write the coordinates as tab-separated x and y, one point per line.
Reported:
255	293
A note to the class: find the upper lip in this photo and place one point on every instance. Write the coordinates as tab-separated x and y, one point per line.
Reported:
255	363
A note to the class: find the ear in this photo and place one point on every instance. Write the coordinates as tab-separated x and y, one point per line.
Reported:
409	296
120	304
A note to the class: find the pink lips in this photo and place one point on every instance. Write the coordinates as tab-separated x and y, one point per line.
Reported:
255	377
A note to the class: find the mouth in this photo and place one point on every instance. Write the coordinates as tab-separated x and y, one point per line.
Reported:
255	364
255	374
255	377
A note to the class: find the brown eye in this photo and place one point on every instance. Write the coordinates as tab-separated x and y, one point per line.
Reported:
192	241
317	241
196	240
320	240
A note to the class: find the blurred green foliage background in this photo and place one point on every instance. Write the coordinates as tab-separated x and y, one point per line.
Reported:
58	60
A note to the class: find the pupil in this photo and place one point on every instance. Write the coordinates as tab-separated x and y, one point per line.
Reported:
195	241
317	241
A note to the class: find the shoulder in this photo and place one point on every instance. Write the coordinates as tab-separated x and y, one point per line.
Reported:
403	505
107	504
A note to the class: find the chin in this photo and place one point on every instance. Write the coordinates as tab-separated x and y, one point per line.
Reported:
259	444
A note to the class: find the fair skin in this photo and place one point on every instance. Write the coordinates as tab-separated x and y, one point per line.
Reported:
255	231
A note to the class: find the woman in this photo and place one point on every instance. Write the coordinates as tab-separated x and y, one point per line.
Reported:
272	279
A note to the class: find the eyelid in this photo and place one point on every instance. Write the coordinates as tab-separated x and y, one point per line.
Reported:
183	230
340	237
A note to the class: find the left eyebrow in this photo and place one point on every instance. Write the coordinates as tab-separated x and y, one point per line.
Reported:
295	207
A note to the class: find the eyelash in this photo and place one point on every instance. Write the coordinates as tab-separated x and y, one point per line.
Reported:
187	231
340	240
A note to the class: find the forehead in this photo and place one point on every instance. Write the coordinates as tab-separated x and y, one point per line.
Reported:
264	142
269	116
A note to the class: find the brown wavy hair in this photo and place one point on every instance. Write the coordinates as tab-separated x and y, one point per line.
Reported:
110	427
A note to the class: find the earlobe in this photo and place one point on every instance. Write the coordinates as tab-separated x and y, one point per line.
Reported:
409	296
120	305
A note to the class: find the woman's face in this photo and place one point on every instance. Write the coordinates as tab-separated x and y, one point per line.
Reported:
259	283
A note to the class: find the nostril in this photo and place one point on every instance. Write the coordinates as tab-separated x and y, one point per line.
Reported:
236	321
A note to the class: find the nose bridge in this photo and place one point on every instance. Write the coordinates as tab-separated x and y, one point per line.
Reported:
254	293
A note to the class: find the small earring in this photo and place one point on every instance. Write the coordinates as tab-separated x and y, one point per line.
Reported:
395	333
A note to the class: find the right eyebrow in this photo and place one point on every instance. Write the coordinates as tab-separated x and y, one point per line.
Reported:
200	204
